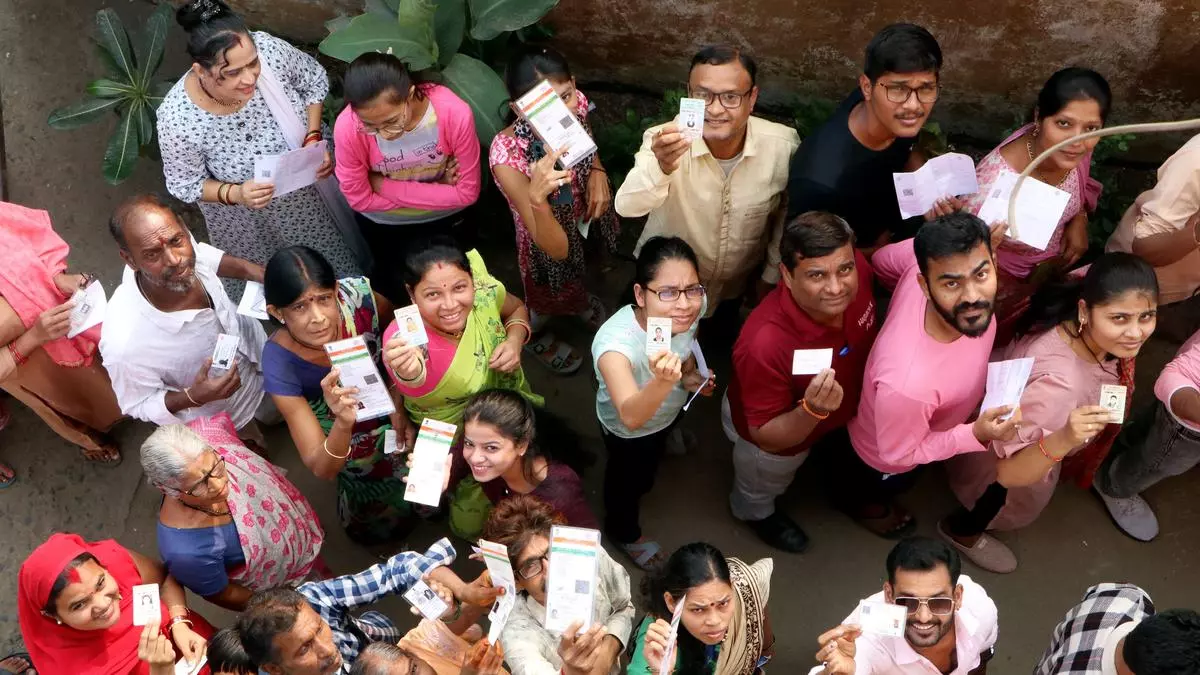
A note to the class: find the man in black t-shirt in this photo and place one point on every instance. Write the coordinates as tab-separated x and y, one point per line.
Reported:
846	165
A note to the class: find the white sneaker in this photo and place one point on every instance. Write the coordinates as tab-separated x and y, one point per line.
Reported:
1133	515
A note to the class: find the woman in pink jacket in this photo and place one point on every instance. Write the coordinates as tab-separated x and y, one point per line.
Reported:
407	159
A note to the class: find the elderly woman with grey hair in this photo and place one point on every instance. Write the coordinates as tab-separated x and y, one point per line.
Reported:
230	523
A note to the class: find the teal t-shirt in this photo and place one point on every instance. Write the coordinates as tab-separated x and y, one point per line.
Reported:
622	334
638	665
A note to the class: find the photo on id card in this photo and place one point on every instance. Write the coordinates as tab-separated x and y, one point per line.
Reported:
658	335
1112	399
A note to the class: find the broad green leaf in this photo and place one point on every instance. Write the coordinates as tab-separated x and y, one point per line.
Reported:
150	47
490	18
158	91
477	84
84	112
145	123
370	33
416	18
338	23
384	8
104	88
122	150
449	26
114	40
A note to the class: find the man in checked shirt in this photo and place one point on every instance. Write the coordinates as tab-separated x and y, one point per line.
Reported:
1115	631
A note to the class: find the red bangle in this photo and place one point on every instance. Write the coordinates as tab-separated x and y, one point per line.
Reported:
312	137
1050	457
17	357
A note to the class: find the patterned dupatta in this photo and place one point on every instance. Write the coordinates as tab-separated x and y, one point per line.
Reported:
745	641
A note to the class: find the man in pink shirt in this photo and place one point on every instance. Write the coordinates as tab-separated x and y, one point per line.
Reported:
1161	441
927	370
951	628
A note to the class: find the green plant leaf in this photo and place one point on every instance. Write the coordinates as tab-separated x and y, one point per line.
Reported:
338	23
371	33
449	27
477	84
150	46
144	122
81	113
105	88
490	18
122	150
386	9
114	40
416	18
158	91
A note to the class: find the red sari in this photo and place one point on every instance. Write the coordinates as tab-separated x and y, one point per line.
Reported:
56	648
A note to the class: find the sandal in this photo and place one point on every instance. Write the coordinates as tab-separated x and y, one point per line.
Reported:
894	523
108	455
599	313
562	360
6	664
6	481
647	555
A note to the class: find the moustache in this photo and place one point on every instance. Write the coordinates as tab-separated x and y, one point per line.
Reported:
968	306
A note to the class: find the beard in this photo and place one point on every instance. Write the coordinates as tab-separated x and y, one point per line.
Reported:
954	317
921	641
178	279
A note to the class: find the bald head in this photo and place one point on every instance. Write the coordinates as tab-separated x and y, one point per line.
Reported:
134	210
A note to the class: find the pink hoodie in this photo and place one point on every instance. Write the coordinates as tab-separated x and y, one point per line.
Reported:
355	153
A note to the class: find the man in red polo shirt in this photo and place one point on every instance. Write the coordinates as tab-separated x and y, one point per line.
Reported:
773	417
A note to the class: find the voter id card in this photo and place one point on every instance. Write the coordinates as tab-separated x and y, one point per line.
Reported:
882	618
225	351
428	603
1112	399
691	118
146	608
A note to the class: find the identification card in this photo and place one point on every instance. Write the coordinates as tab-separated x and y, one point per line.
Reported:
428	472
668	659
225	351
182	667
1112	399
391	444
146	609
555	124
882	618
410	327
428	603
253	303
499	567
658	335
811	361
89	309
691	118
357	369
571	580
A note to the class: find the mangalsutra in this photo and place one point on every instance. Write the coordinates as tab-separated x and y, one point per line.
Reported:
227	104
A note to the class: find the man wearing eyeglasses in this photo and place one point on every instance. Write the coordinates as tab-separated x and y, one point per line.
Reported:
951	627
722	193
845	166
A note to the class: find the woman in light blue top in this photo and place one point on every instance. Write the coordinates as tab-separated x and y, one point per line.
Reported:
640	397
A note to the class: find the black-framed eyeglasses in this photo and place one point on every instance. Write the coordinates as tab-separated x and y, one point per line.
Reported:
216	472
900	93
939	606
533	567
672	294
729	99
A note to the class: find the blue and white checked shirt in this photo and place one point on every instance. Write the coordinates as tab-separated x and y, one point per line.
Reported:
334	598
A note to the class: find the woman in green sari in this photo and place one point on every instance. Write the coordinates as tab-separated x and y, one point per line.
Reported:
316	308
475	330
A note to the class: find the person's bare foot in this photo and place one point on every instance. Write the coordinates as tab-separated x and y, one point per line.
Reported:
17	665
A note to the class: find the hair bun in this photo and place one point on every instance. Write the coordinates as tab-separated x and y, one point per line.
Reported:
196	13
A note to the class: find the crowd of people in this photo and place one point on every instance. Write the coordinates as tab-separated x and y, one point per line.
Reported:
810	235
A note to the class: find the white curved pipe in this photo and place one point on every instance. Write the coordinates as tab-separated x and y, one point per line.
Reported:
1147	128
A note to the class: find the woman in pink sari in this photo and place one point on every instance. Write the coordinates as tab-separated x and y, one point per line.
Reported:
60	378
230	523
1072	102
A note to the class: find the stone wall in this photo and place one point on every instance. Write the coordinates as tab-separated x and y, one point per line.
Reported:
998	52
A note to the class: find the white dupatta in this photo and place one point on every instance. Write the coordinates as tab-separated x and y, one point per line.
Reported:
294	129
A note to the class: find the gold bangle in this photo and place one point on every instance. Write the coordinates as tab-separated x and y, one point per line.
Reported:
519	322
325	446
810	411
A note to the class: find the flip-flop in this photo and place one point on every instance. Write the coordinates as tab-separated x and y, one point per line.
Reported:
876	524
8	482
641	553
20	655
558	360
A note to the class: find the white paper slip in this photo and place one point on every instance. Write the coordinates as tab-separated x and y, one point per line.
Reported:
658	335
253	303
571	581
421	596
410	327
225	351
701	368
499	567
357	369
882	618
811	361
292	170
691	118
1006	383
673	636
390	443
555	124
146	609
1112	399
428	471
89	309
948	175
182	667
1039	208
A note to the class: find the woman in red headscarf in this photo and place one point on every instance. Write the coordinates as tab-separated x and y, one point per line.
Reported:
76	610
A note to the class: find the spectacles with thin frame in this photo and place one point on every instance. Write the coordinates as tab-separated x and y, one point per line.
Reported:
939	606
730	100
394	128
217	471
900	93
533	567
672	294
